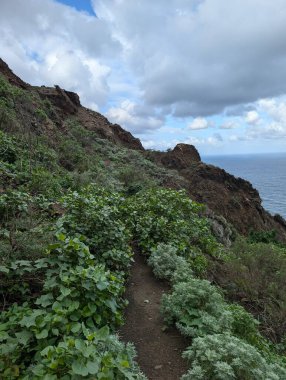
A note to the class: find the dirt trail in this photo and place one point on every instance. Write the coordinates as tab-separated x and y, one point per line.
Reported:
159	352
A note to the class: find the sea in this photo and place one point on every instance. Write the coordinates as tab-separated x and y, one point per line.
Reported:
266	172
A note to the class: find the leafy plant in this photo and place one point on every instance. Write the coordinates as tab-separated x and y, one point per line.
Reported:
225	357
170	217
254	275
97	215
197	308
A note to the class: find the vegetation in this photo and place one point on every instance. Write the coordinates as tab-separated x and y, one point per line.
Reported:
223	356
254	275
72	210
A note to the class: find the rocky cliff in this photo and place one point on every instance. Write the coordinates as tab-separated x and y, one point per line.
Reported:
66	104
232	198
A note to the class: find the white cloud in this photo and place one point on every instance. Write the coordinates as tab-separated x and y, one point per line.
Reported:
266	122
229	124
48	43
252	117
133	118
184	60
199	123
187	55
214	140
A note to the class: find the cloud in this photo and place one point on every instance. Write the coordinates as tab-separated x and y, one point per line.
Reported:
266	122
134	118
189	56
252	117
151	66
199	123
214	140
229	124
48	43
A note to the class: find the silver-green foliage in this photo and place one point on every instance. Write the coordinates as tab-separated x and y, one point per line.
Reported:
166	263
196	307
225	357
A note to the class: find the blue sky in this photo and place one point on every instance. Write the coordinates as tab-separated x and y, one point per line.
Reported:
80	5
181	73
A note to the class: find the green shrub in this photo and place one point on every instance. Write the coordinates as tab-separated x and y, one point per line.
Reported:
101	356
197	308
263	236
96	214
33	347
133	180
254	274
225	357
78	297
165	262
246	327
8	148
42	181
72	155
41	114
170	217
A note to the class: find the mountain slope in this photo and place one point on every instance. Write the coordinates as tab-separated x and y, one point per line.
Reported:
56	118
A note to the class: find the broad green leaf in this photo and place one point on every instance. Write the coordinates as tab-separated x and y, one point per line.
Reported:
79	368
24	336
43	334
92	367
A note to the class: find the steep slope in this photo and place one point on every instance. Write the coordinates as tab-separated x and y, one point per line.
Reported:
64	105
233	198
46	112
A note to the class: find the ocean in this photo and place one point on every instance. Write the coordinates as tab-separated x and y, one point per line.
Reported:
266	172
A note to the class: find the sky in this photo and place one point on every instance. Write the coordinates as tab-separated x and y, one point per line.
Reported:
205	72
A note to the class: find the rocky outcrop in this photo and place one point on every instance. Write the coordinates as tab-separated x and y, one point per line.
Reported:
66	105
233	198
12	78
94	121
181	157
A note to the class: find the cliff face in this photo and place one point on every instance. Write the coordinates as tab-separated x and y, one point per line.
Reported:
233	198
66	104
12	78
181	157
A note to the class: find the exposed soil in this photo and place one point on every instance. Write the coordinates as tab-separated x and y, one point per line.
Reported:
159	351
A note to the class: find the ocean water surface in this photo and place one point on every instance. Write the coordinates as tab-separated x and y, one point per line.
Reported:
266	172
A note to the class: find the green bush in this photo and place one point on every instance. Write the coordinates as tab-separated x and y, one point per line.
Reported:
8	148
79	296
30	350
254	274
42	181
225	357
96	214
166	263
171	217
263	237
197	308
101	356
246	327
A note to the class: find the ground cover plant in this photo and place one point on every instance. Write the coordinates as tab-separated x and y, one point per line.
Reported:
227	343
68	331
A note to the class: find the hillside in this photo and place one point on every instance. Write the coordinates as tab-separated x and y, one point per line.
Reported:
54	113
91	221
